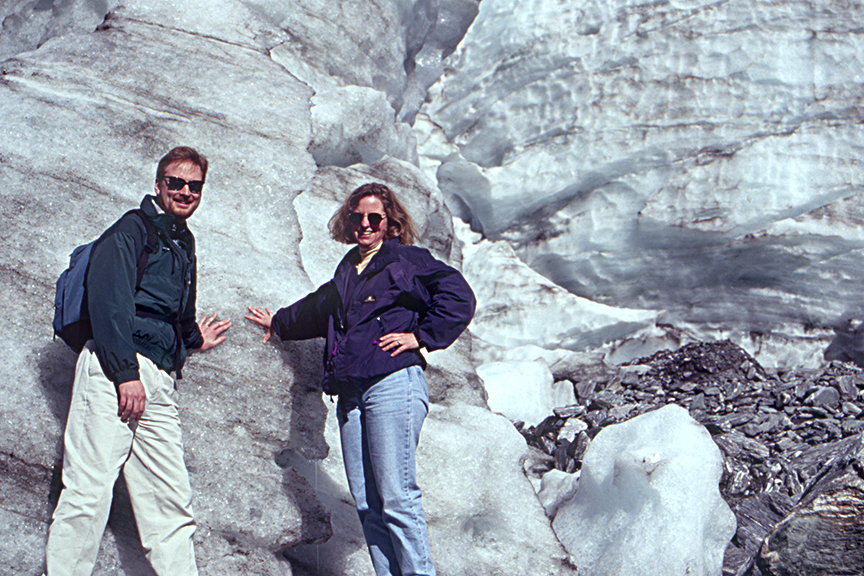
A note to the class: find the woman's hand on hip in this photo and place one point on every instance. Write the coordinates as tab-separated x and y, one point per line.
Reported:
398	342
262	318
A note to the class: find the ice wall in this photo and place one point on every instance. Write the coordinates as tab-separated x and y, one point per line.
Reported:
694	157
85	118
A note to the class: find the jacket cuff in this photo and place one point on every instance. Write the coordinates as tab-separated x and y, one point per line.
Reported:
420	340
196	340
126	376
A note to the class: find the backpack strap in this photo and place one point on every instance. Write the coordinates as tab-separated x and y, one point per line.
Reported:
149	248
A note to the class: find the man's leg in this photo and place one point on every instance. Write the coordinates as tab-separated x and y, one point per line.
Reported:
395	409
157	479
96	444
361	483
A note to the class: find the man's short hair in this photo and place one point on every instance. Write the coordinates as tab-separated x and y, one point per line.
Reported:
182	154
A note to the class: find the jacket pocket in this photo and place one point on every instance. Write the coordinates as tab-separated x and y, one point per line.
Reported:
155	340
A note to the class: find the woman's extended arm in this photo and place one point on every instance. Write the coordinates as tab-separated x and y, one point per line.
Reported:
306	318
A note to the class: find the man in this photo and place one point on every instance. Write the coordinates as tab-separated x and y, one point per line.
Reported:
123	414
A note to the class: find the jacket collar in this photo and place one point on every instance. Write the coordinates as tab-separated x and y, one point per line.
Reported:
387	254
168	223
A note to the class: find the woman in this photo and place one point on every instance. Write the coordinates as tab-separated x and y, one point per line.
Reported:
386	300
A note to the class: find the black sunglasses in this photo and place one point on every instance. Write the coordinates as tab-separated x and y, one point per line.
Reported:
174	183
374	218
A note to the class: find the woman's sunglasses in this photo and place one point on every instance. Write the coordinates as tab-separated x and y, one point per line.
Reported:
374	218
174	183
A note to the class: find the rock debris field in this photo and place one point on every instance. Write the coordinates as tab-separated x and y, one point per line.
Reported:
791	442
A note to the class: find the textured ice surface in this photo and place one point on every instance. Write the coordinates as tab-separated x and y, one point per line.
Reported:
557	488
394	47
476	526
516	306
486	518
521	391
698	158
648	502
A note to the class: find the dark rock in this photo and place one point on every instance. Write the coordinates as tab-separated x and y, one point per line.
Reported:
822	538
547	425
767	425
623	412
630	379
604	399
736	419
584	389
682	386
846	387
803	389
741	448
822	396
569	411
738	482
815	411
755	449
594	417
786	444
756	518
560	454
850	409
577	448
781	435
782	399
825	532
852	427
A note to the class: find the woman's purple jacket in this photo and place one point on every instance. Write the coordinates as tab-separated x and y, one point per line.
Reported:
403	289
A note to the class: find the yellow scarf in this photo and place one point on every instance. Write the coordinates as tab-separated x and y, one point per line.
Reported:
366	256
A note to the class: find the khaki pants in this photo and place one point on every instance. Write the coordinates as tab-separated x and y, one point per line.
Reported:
97	445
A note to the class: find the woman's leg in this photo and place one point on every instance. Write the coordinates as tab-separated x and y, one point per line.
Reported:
393	413
361	483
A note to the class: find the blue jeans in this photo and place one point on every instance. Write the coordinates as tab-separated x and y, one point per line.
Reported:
380	429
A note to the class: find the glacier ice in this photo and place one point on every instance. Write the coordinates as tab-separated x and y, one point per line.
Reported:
664	157
557	488
516	306
85	118
474	520
647	501
521	391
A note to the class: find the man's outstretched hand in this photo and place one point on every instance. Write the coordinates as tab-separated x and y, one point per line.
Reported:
212	331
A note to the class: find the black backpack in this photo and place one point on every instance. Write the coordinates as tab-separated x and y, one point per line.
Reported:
71	313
